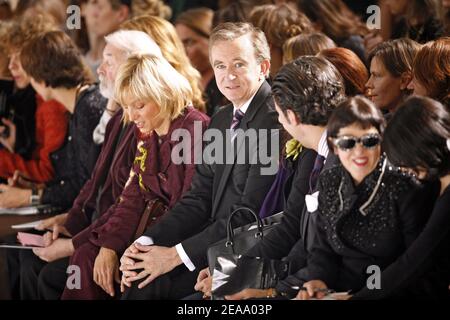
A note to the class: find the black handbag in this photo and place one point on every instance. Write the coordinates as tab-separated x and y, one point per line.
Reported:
241	239
232	271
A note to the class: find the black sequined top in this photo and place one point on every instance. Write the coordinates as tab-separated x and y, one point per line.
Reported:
364	225
74	161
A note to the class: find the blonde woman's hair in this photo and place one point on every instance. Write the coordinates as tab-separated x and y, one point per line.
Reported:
165	36
149	78
308	44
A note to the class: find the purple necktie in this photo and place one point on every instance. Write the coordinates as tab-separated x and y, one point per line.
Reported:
318	165
237	117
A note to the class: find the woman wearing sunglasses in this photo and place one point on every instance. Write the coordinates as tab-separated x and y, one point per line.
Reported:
368	212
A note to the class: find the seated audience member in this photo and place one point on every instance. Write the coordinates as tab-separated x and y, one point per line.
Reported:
418	20
102	189
305	92
308	44
102	17
158	100
279	23
194	28
423	148
351	68
431	71
368	211
65	80
165	36
240	56
37	127
391	65
337	21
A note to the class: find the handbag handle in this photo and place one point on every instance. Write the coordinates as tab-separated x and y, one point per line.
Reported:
230	231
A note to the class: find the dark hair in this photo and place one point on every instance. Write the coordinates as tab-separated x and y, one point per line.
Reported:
338	21
236	11
416	136
396	55
358	111
54	59
310	86
350	66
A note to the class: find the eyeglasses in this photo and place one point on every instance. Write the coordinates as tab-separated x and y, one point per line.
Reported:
368	141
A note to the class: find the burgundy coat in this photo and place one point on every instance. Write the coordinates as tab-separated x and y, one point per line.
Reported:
160	178
112	169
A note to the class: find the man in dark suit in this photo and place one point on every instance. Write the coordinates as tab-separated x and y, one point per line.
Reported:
159	265
306	92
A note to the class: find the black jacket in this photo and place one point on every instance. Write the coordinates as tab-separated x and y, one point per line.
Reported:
279	242
346	241
423	271
74	161
199	218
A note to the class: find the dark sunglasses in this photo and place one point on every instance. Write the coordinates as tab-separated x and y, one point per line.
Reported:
368	141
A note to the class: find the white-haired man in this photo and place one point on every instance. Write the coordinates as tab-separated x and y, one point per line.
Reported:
119	46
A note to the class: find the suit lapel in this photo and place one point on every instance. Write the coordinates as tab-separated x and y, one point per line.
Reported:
252	110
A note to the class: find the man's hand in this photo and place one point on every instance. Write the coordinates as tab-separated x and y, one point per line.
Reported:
8	142
312	289
50	223
106	270
124	261
60	248
153	260
248	294
204	283
12	197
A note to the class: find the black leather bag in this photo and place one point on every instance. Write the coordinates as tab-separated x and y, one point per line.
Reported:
233	271
241	239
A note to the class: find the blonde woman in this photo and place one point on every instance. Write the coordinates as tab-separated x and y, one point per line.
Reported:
157	100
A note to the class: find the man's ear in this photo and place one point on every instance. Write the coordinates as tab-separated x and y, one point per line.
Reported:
265	67
292	117
405	80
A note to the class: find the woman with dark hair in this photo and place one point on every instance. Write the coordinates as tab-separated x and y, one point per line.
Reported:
417	19
422	147
338	22
350	67
431	71
193	28
67	80
368	212
391	72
